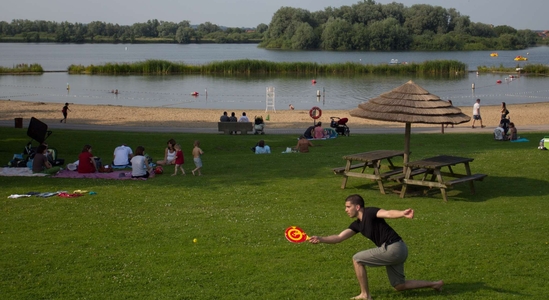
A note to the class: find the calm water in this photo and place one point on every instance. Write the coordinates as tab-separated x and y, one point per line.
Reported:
248	92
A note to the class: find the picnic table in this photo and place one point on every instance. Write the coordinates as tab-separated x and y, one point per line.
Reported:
433	166
371	159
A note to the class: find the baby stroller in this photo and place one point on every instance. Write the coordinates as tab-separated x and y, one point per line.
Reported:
259	125
39	131
340	125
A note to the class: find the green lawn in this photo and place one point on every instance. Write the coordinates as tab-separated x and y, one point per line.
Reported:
134	239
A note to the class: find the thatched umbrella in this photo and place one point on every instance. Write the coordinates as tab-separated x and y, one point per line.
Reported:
410	103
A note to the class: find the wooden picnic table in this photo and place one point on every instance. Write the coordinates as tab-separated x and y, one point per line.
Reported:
433	166
373	160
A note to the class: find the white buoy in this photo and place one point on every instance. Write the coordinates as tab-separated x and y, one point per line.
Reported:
473	86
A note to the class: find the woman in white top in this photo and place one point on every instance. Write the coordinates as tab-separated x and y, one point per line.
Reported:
140	167
169	154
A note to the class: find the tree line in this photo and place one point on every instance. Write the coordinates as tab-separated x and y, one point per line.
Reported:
368	25
150	31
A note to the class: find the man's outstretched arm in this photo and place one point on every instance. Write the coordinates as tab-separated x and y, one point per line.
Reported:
395	214
333	239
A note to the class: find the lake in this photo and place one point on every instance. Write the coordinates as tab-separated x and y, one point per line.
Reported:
249	92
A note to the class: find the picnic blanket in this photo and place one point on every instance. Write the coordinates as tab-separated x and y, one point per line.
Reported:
19	172
521	140
120	175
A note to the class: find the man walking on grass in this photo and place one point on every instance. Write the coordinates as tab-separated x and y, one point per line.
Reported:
391	250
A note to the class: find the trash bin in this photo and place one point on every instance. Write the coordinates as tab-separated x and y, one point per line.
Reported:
18	122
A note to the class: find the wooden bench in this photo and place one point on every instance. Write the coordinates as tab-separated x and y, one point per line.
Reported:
390	175
230	127
341	170
478	177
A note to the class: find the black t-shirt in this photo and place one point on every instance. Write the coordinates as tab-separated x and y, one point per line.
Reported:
374	228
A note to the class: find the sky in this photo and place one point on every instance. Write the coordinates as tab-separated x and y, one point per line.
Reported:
525	14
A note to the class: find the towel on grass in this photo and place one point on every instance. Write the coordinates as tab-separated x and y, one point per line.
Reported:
19	172
521	140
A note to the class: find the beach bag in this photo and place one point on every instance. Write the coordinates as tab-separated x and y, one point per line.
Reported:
105	169
498	134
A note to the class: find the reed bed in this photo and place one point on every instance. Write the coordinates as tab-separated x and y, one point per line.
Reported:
538	69
22	68
535	69
247	66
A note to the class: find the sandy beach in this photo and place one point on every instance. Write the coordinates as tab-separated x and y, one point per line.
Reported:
520	114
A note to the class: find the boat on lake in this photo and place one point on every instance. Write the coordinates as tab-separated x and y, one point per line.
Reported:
494	54
521	58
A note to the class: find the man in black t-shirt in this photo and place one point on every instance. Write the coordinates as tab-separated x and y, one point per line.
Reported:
391	250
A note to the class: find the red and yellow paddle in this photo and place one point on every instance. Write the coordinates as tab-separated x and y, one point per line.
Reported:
295	234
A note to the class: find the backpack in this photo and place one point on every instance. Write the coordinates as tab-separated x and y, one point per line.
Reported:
498	134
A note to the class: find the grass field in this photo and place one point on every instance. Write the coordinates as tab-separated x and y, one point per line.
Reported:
134	239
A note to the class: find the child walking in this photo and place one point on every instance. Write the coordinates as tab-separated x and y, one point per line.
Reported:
197	152
179	160
64	111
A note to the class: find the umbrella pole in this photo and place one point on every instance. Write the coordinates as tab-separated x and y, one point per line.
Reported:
407	142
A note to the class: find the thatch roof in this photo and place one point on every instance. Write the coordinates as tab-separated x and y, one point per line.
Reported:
410	103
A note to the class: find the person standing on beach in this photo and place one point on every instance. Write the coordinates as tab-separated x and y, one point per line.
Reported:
504	110
197	153
476	114
391	251
65	112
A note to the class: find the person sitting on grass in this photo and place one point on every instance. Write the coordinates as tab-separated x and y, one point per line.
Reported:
86	161
261	148
169	154
319	133
40	161
513	136
140	166
303	145
122	155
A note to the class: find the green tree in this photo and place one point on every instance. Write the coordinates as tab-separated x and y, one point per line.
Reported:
337	35
96	28
526	38
423	17
261	28
503	29
285	22
184	34
206	28
167	29
507	41
360	37
389	35
481	30
366	12
304	37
